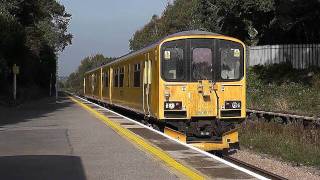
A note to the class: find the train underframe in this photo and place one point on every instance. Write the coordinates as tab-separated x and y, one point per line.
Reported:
206	133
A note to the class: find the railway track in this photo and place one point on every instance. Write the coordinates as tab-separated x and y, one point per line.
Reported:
245	165
284	118
255	169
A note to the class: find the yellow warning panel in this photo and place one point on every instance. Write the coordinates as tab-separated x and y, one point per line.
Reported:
175	134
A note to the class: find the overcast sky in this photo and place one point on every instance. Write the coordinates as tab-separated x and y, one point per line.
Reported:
104	26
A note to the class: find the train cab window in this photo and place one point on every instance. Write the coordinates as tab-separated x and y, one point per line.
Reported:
106	79
231	60
173	62
136	75
121	76
201	64
116	77
201	59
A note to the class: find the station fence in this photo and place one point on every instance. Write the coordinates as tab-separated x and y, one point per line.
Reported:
301	56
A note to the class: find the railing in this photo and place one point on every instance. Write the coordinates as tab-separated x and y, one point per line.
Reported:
301	56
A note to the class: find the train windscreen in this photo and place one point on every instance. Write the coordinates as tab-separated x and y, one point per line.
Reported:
230	60
174	61
191	60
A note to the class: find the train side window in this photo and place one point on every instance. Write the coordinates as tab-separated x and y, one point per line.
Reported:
136	75
116	77
121	76
106	79
128	75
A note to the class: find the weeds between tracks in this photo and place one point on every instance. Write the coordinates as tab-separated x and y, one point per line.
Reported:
290	142
280	87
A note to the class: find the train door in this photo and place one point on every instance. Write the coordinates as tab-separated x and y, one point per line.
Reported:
147	73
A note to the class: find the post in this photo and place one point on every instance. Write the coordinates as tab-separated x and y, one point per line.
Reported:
14	86
56	83
50	85
15	70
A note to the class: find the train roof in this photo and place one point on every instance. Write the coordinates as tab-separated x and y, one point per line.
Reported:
182	33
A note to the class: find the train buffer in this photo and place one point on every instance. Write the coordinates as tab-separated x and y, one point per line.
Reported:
75	139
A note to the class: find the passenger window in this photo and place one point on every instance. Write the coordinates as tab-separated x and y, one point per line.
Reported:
92	82
136	75
106	79
116	77
121	77
128	76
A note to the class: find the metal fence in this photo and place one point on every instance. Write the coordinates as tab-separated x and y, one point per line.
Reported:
301	56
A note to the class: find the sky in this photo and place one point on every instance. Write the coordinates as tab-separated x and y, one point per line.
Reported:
104	26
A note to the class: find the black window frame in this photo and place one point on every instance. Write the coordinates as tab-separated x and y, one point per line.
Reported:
218	65
186	55
121	76
128	74
137	75
216	68
116	77
210	44
106	78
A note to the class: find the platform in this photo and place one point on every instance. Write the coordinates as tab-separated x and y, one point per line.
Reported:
73	139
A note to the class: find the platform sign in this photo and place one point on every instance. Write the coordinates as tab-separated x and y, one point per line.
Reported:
15	69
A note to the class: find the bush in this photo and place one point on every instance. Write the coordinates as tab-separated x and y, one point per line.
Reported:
282	88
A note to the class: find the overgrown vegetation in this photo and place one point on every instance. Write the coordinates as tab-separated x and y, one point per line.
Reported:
291	142
282	88
31	34
252	21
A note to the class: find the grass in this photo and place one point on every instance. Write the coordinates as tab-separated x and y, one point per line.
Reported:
281	88
290	142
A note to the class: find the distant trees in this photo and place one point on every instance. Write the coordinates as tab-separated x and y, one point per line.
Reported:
75	79
253	21
31	34
176	17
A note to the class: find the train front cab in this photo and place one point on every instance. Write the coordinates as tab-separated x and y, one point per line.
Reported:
202	90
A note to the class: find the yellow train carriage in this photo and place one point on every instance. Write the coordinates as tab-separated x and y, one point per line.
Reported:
192	83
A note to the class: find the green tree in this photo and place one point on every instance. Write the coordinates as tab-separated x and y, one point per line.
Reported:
75	79
177	17
31	33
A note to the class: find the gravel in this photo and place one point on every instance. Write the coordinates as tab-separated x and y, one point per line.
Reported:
285	169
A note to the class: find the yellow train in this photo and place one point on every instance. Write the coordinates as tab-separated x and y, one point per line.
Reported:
191	85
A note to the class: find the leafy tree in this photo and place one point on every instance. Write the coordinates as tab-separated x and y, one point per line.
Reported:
177	17
75	79
252	21
31	33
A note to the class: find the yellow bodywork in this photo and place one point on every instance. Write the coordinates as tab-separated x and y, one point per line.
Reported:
228	138
199	99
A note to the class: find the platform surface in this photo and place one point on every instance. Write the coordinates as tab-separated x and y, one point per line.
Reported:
45	140
49	140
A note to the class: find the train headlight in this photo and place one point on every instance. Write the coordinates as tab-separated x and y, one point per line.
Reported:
232	104
172	105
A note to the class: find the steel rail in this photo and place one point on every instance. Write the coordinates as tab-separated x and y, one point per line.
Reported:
253	168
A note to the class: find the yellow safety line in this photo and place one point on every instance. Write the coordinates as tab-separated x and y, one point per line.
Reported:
143	143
